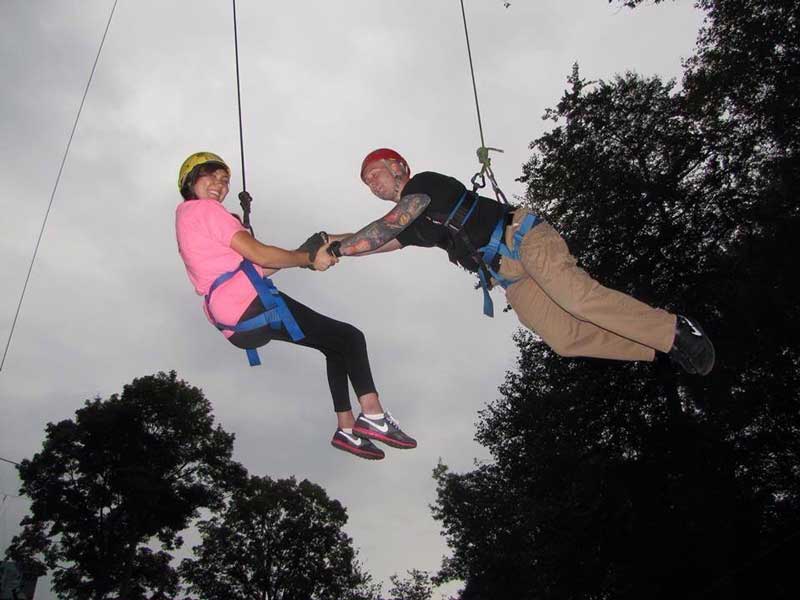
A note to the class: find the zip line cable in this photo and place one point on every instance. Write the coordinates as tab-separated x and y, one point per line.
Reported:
55	186
479	180
238	93
244	197
472	72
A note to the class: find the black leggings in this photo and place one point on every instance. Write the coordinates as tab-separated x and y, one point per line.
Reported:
344	347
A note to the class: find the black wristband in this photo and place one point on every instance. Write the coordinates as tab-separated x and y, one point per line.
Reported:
335	249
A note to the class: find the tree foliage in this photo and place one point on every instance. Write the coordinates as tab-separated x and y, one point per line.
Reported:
277	540
417	585
631	480
128	472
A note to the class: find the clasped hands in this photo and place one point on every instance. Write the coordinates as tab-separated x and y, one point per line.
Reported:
321	251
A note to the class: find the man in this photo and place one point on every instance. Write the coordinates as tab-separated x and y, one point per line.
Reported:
570	311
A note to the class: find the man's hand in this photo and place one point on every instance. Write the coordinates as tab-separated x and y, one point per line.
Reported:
335	248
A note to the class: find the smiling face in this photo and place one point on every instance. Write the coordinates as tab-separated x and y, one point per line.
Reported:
212	185
385	179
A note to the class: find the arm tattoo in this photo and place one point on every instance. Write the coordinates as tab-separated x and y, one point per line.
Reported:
388	227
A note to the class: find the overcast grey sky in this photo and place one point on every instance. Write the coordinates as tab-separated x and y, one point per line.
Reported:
323	82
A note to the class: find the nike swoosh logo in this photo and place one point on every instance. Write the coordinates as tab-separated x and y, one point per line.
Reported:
382	428
353	439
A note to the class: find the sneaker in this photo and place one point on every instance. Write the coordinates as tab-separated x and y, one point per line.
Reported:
356	445
386	430
692	349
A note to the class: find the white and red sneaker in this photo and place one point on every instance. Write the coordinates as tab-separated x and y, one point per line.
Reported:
349	442
384	429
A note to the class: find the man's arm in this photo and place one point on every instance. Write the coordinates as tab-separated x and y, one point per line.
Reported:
379	236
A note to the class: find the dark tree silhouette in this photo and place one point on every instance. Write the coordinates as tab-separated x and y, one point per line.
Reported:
634	480
417	585
277	540
128	472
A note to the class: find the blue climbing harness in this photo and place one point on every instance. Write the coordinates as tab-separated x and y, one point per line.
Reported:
459	216
486	254
276	312
497	246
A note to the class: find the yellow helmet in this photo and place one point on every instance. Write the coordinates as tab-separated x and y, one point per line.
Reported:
196	159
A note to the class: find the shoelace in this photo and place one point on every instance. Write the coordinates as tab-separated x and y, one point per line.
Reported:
390	419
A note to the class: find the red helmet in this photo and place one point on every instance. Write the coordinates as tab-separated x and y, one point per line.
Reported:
381	154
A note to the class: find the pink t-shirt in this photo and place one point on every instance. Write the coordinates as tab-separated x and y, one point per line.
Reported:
204	230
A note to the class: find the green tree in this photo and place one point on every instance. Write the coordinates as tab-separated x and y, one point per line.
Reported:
416	586
632	480
128	472
617	176
596	490
740	91
277	540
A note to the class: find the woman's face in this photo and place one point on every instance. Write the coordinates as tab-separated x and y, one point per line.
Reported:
212	185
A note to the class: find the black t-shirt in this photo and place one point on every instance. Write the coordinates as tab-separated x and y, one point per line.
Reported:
428	230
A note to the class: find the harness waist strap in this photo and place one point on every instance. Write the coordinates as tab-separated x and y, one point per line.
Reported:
496	248
276	313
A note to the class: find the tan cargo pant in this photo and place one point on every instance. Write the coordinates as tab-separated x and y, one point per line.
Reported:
573	313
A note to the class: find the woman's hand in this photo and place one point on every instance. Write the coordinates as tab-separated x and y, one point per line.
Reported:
323	260
313	244
272	257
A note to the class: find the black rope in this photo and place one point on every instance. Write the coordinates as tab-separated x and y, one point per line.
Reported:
244	197
472	72
238	93
55	187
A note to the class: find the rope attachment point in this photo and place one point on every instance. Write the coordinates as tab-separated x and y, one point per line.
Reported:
479	179
244	200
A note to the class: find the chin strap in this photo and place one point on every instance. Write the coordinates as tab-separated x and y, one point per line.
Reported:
396	176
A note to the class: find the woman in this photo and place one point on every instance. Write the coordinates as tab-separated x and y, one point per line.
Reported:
228	266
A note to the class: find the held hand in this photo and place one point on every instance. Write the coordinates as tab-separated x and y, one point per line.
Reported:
313	244
324	259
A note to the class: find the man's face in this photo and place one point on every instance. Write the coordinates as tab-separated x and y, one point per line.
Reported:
380	178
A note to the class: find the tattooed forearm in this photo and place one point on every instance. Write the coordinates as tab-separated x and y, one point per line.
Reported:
385	229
